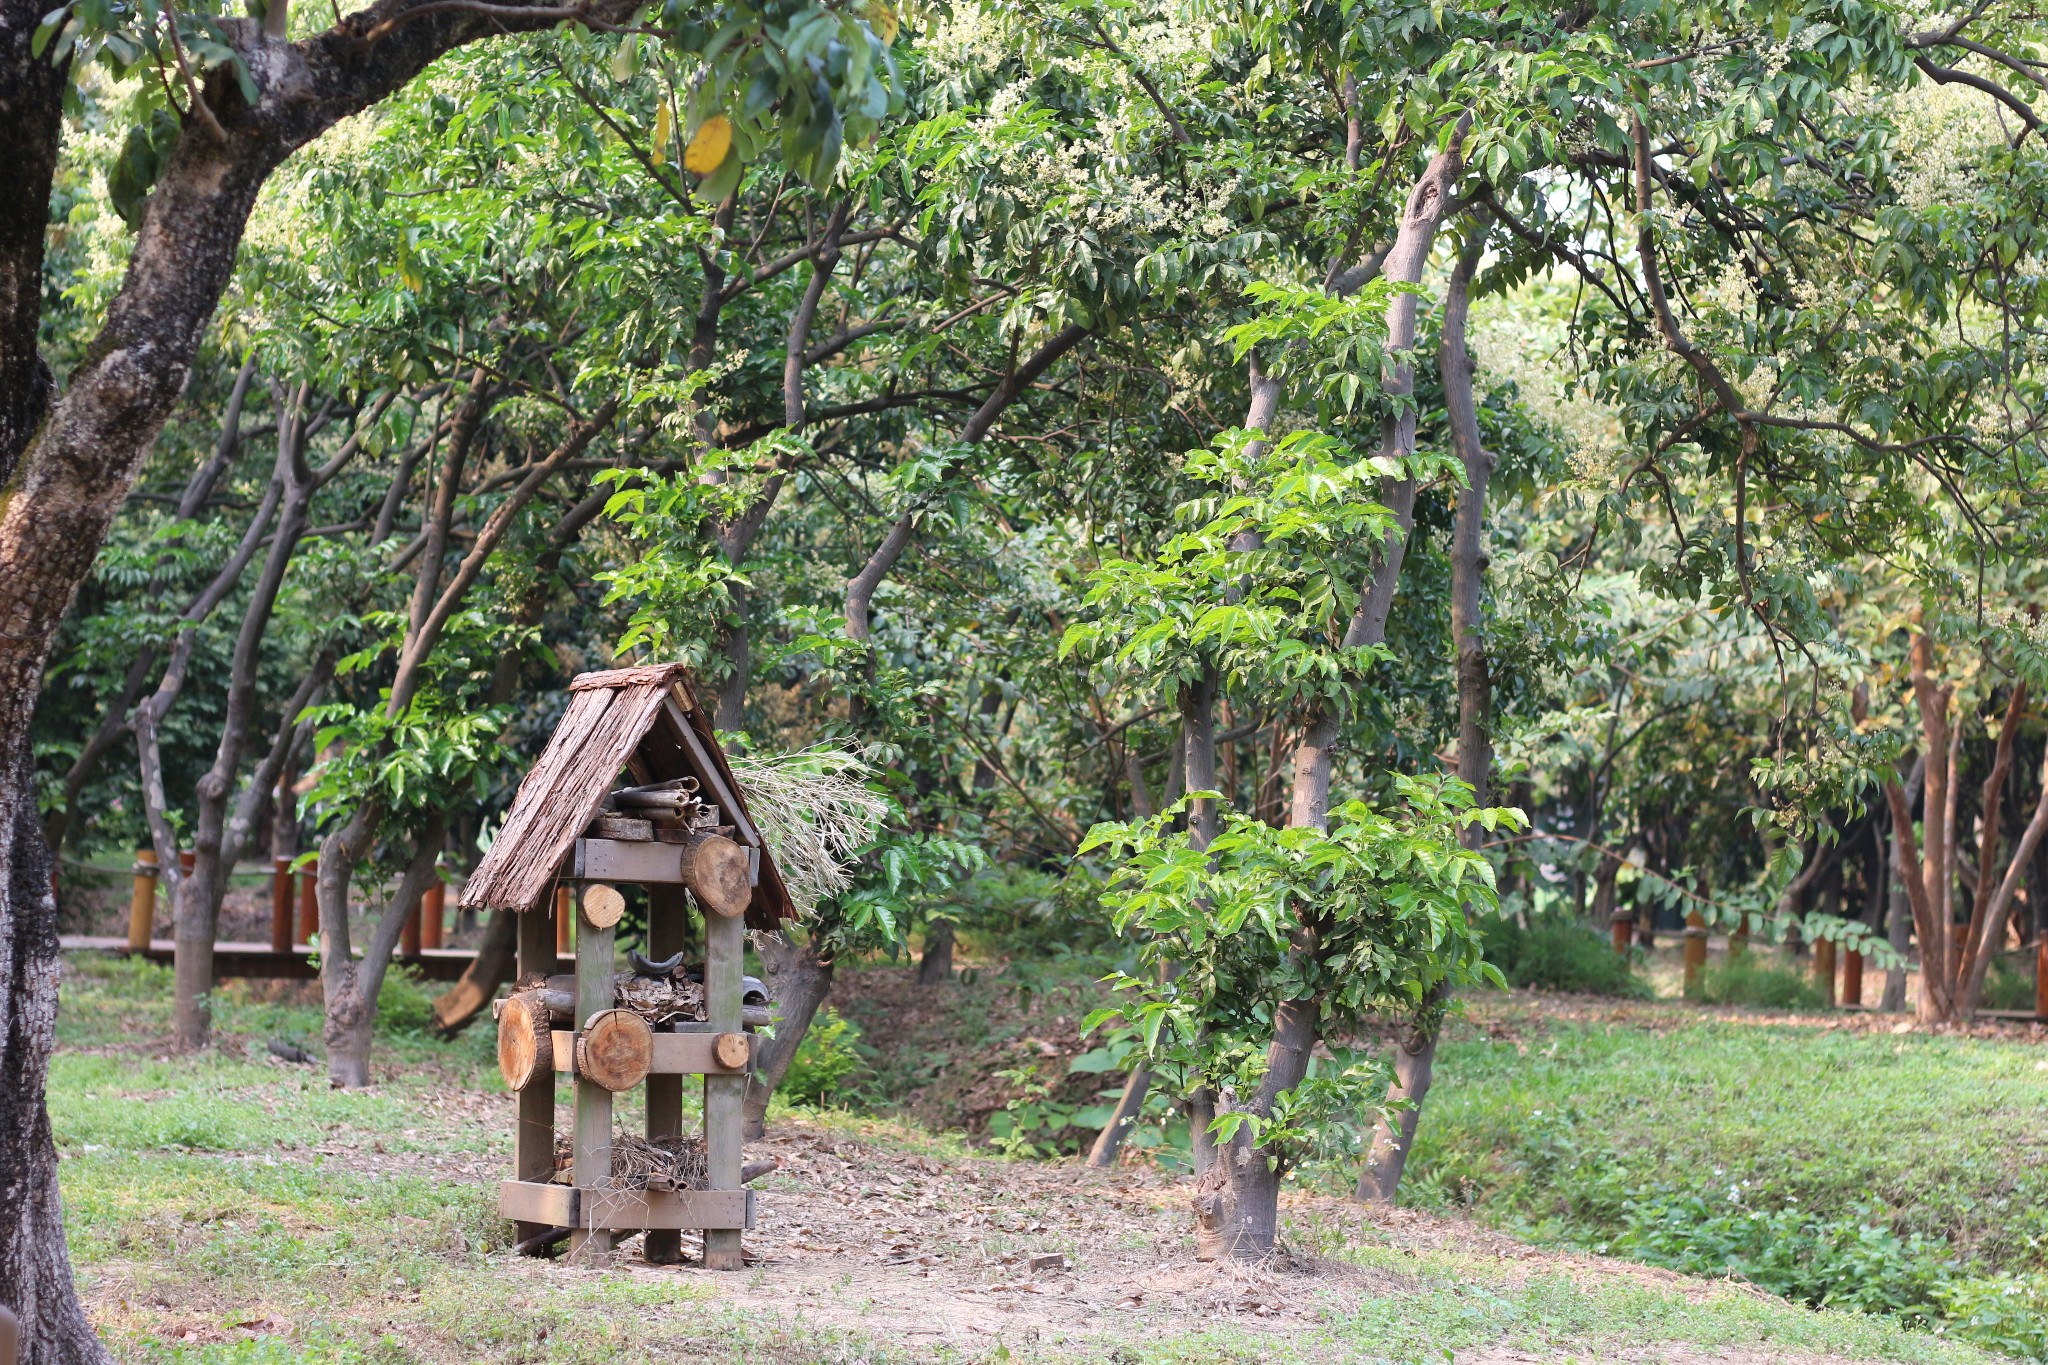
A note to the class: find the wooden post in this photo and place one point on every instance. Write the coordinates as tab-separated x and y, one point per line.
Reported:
2041	979
309	901
1824	969
565	918
188	858
668	909
280	905
1852	977
533	1142
434	914
1738	942
409	932
142	901
724	1096
593	1135
1624	923
1695	952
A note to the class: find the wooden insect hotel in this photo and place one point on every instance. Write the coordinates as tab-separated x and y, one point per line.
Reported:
631	789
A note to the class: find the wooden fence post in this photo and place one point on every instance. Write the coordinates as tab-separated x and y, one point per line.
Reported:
1824	969
2041	978
1695	951
434	914
142	901
409	932
1624	927
1852	977
280	905
309	901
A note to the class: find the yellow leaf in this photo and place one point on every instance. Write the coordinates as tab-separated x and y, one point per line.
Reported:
881	17
708	145
664	126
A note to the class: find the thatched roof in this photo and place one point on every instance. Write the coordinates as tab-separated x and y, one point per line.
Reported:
647	721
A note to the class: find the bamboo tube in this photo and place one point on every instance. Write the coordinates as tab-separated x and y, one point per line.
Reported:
565	920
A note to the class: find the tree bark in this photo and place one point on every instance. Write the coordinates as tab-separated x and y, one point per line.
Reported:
1415	1047
35	1269
798	981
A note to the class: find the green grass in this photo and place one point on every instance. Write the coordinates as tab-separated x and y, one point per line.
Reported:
228	1210
1821	1163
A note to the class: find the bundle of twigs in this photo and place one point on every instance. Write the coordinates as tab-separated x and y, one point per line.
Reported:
663	1163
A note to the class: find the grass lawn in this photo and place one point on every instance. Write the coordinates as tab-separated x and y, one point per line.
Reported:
231	1208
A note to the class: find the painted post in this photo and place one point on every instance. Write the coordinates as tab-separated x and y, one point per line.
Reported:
142	901
409	932
309	901
1695	952
434	914
1852	978
1624	925
1824	969
280	905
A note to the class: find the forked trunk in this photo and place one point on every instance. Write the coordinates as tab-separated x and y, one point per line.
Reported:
1414	1069
798	982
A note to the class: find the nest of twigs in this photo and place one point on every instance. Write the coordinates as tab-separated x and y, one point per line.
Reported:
663	1163
639	1163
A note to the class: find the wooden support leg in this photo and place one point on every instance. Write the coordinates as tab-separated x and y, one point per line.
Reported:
668	908
533	1143
593	1140
724	1096
309	901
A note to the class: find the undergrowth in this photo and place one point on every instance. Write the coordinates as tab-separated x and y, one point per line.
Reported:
1557	954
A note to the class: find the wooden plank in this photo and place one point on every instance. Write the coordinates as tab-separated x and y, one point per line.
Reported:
668	926
724	1095
533	1141
535	1204
593	1136
675	1054
621	860
721	1213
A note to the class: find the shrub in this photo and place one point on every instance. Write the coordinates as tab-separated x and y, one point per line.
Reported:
829	1053
1557	954
1751	979
2007	987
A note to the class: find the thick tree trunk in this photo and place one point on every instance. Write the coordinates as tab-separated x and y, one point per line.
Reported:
1415	1049
35	1270
798	982
935	964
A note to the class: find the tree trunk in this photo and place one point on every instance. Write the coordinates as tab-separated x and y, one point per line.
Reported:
935	966
798	982
1237	1202
35	1270
1415	1050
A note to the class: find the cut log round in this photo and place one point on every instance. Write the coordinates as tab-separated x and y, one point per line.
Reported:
717	872
526	1040
615	1049
602	905
733	1050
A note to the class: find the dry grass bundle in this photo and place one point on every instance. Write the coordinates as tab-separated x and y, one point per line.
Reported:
660	1000
815	810
663	1163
